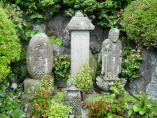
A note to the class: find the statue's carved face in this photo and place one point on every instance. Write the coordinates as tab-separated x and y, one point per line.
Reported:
114	34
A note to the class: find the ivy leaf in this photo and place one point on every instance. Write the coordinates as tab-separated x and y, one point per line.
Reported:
37	15
136	108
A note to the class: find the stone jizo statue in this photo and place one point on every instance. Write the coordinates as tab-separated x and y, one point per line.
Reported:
112	54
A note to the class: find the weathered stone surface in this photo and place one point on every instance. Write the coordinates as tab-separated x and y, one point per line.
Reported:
79	50
57	49
148	81
39	56
30	85
40	27
79	22
72	93
80	38
92	64
112	54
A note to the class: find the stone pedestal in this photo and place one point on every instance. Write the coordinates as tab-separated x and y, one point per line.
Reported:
30	85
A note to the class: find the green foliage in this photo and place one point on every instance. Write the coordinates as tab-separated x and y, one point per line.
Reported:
131	63
55	40
40	102
83	79
24	32
47	82
36	8
145	107
106	13
10	105
61	68
117	88
140	22
42	97
59	97
108	107
58	110
10	48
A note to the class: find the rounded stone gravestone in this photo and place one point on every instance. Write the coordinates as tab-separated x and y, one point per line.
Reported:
39	56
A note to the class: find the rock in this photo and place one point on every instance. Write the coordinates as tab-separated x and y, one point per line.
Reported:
57	49
148	75
30	85
85	113
95	46
14	86
92	64
39	56
40	27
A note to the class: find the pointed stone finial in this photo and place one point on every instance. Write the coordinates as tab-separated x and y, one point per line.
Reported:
79	22
79	14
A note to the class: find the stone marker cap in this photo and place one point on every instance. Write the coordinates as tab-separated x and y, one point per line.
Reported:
79	22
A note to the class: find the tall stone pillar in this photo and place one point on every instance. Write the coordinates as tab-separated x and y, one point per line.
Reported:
79	27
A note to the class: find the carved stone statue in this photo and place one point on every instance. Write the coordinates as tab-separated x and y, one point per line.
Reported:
111	61
112	54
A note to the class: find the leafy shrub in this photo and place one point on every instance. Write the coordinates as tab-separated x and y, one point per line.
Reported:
83	79
109	107
10	105
42	97
47	82
140	22
131	63
41	102
10	48
61	68
58	110
106	13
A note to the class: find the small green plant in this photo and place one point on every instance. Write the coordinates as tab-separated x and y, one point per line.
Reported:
40	102
83	79
108	108
42	97
117	88
131	63
10	104
55	40
145	107
47	82
58	110
61	68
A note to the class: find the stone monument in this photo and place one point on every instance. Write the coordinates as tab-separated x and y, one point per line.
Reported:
39	56
111	60
79	27
112	54
39	63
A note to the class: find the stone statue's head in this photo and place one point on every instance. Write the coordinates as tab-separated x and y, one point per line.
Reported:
114	34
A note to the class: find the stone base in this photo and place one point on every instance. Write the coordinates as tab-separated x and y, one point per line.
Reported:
73	98
105	83
72	93
61	84
26	103
30	85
